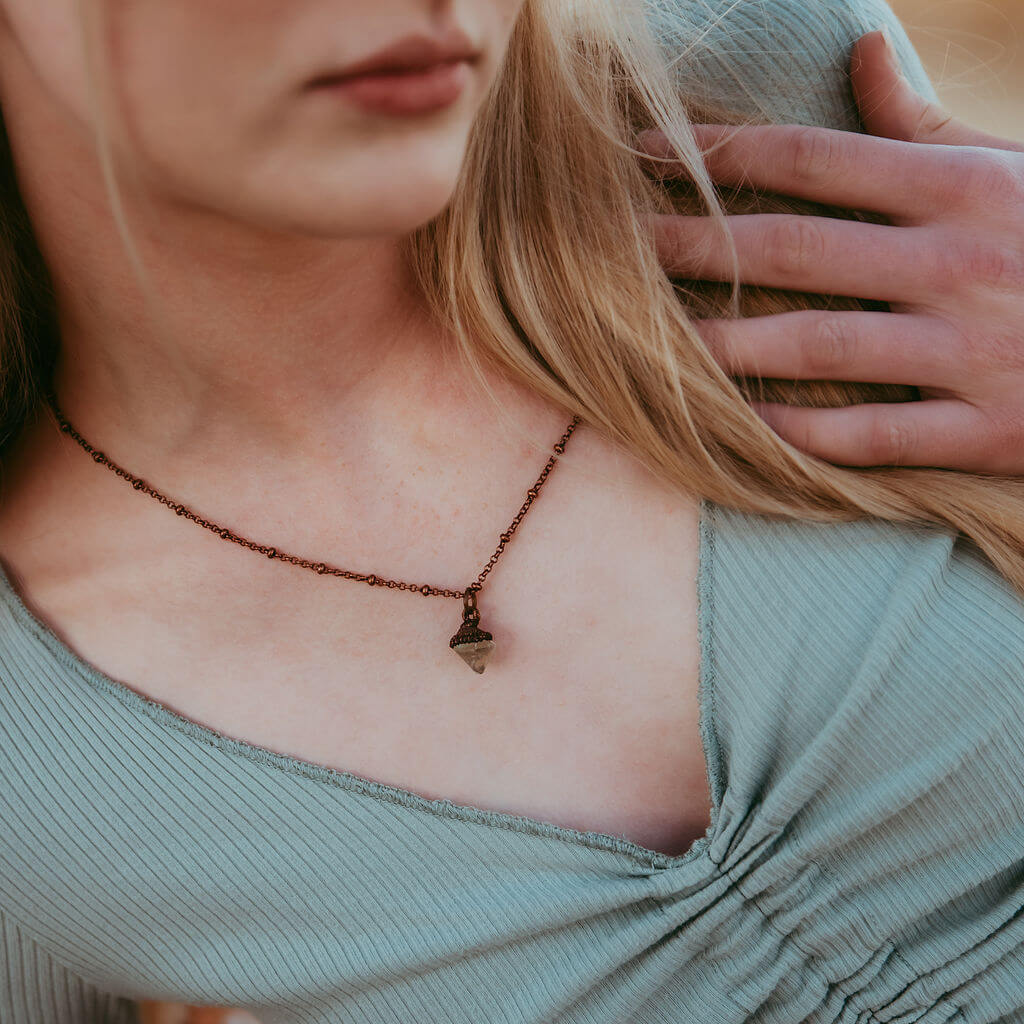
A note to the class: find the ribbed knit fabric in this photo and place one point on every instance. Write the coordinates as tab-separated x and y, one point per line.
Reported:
787	58
862	701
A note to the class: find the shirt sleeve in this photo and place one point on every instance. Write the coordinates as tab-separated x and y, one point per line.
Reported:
787	60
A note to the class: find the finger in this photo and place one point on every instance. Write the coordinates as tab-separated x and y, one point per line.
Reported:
937	432
877	348
839	168
811	254
891	107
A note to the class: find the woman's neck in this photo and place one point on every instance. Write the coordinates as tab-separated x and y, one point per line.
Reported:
247	355
264	337
294	385
268	337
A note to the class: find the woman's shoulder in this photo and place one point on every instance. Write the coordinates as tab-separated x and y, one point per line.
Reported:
785	59
863	638
867	695
868	592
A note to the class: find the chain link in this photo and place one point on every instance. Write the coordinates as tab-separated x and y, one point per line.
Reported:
321	568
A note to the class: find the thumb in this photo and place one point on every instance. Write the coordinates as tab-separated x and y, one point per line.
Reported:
892	108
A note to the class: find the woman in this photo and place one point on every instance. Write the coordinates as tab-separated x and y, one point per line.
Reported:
722	765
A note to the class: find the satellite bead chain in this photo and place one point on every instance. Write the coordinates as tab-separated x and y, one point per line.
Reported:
472	643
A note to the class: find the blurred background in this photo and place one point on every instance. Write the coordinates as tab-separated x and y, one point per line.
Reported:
974	52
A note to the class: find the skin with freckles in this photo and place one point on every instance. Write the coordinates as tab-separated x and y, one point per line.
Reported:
289	385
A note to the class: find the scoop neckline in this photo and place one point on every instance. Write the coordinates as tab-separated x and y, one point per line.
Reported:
341	778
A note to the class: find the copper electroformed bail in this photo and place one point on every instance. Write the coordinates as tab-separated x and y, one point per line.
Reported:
471	643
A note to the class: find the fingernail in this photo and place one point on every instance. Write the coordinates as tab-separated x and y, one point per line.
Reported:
890	50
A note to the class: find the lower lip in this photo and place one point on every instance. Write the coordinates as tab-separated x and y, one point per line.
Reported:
403	93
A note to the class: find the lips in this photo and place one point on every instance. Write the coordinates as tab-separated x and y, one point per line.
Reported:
416	75
403	93
415	53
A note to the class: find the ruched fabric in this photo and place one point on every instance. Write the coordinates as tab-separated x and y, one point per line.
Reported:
862	701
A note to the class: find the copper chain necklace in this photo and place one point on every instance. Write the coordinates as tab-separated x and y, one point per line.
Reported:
473	644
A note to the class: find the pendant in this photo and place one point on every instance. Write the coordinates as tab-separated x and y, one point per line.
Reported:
471	643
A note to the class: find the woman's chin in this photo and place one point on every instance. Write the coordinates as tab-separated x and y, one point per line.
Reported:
391	220
371	215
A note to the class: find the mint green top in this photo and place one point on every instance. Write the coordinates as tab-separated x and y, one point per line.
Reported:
861	709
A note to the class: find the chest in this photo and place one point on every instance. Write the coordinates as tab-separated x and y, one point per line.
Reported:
586	715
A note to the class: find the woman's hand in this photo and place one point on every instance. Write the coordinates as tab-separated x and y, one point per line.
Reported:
951	266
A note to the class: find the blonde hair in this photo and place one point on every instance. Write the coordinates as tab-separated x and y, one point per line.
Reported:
543	267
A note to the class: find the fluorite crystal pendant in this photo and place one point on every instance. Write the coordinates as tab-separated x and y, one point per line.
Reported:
471	643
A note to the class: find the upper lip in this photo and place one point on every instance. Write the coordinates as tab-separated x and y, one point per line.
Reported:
413	53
